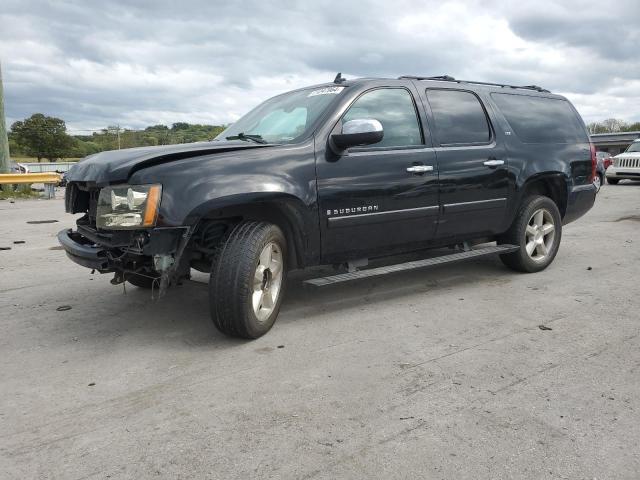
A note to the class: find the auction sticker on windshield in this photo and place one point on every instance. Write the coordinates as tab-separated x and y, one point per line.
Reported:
326	91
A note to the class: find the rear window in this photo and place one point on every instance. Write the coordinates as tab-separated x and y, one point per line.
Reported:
541	119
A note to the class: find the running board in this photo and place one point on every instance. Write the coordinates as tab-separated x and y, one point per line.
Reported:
403	267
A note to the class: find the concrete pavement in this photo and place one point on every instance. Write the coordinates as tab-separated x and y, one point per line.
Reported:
441	373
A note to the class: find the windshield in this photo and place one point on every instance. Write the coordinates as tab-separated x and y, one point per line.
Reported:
282	119
634	147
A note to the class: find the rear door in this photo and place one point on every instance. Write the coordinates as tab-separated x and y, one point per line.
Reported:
373	199
473	175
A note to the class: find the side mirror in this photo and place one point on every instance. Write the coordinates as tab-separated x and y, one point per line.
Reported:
362	131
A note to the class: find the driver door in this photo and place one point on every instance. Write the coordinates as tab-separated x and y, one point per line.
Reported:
382	197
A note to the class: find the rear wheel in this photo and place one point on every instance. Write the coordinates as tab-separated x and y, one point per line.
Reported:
247	280
537	230
613	181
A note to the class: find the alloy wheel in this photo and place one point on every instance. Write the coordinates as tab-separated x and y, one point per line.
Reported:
540	235
267	281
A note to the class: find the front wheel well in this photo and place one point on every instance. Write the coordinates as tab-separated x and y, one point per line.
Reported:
216	224
552	186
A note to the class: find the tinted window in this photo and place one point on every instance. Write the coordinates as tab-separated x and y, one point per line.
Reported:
541	119
459	117
394	109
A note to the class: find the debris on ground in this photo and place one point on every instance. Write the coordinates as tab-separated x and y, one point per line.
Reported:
92	384
280	346
5	248
37	222
18	242
63	308
544	327
589	268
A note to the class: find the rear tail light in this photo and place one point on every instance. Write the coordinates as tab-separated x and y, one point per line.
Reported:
594	162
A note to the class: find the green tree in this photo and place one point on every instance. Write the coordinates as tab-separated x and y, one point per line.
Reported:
42	137
634	127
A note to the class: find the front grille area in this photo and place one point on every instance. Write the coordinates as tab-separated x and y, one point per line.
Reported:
79	198
627	162
93	206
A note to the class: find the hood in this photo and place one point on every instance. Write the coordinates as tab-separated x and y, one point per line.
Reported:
628	155
116	166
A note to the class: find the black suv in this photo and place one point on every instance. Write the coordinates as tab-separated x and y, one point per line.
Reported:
337	173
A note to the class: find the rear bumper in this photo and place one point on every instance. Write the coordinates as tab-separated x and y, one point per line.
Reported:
579	202
82	252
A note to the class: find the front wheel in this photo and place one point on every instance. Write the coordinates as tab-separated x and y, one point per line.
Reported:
537	229
247	280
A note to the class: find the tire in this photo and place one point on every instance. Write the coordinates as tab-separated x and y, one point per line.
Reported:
533	235
613	181
247	280
140	281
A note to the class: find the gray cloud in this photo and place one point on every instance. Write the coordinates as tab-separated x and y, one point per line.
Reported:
98	63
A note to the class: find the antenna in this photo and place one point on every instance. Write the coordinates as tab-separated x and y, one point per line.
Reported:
339	79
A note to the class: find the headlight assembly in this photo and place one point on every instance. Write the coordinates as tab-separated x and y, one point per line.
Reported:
128	206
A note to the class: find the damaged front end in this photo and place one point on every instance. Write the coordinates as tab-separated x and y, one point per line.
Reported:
131	245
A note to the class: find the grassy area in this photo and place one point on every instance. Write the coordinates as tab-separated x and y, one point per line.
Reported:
21	191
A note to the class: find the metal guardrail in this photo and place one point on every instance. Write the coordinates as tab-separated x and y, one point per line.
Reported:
49	179
35	167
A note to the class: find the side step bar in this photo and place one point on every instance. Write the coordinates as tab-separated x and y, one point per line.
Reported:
403	267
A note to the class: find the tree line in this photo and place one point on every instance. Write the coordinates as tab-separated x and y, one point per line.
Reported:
613	125
41	136
45	137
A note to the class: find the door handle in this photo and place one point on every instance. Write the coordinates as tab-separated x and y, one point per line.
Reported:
420	169
494	163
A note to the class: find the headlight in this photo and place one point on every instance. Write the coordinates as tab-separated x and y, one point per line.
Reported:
128	206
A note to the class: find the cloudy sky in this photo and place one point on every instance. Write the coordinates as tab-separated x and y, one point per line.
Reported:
137	63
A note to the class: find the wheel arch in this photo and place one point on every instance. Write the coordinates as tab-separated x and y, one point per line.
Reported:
549	184
288	212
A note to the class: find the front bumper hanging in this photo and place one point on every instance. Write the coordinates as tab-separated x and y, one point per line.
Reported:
82	252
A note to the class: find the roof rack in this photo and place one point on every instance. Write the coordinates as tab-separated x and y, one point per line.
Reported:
447	78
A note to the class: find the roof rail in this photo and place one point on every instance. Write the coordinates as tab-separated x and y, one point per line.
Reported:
448	78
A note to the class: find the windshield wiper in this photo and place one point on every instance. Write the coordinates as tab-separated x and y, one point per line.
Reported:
245	137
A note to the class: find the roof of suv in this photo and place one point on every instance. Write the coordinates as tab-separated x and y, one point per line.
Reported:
339	80
447	78
441	79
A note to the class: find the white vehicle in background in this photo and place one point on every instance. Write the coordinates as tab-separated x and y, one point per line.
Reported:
626	165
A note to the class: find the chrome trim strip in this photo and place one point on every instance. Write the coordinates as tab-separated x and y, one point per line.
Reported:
475	205
390	215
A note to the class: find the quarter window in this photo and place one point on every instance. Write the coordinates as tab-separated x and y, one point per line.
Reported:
394	109
459	117
541	119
